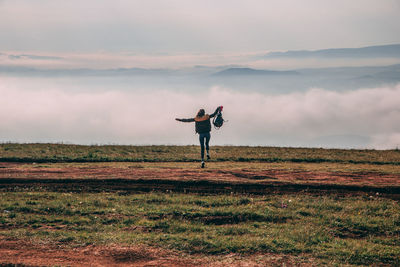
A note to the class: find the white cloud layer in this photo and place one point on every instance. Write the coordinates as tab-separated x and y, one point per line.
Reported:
367	118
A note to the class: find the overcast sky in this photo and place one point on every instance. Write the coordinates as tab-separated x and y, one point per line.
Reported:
206	26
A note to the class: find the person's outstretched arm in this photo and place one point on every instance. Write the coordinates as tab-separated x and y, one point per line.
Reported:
185	120
215	112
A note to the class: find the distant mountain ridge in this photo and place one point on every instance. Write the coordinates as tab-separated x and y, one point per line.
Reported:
250	71
363	52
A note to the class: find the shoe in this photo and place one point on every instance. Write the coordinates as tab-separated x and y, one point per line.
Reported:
202	164
208	156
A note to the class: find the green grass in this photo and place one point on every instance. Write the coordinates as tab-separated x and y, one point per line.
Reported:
342	230
112	153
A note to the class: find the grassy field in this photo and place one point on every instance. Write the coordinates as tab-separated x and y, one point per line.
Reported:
330	228
111	153
351	230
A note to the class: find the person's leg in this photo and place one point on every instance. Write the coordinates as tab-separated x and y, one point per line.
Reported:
208	136
202	139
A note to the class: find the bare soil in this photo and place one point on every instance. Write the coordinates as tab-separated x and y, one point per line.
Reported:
26	253
14	252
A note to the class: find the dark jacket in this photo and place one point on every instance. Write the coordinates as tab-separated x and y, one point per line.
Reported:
202	124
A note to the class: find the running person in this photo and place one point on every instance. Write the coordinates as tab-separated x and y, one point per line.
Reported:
203	128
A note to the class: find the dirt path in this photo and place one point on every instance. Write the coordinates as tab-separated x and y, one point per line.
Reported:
94	178
14	252
30	254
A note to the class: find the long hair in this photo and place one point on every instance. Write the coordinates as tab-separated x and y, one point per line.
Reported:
201	113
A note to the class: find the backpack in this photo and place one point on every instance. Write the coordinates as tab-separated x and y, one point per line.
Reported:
218	121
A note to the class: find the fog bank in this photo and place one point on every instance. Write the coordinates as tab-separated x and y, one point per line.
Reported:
363	118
